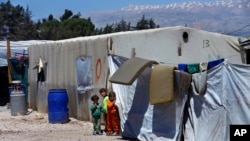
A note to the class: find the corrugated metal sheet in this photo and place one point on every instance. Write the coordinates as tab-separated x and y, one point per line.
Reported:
60	72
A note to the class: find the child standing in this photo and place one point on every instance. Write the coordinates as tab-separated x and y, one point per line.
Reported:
96	110
103	93
112	116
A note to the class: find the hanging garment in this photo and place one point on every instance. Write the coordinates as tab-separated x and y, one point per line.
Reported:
41	76
40	65
183	67
214	63
185	80
199	81
193	68
203	66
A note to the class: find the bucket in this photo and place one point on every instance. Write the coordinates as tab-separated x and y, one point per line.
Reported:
58	106
18	103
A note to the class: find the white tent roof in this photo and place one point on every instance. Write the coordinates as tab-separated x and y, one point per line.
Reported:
17	48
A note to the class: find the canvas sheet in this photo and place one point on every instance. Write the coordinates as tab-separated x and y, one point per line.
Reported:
225	102
17	48
139	119
84	74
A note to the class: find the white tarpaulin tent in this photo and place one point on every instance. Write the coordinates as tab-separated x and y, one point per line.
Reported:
139	119
208	115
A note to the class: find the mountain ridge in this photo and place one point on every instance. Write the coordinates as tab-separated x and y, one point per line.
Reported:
224	16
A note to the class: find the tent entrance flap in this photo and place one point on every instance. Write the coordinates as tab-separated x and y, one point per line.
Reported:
130	70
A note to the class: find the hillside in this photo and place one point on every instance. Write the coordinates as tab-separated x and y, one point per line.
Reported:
227	16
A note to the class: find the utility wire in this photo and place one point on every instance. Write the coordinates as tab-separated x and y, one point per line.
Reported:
229	33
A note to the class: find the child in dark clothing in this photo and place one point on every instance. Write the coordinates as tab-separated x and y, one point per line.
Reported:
96	110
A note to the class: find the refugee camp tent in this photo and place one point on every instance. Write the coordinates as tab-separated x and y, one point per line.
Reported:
84	65
17	49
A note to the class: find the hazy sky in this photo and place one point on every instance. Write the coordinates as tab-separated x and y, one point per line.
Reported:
42	8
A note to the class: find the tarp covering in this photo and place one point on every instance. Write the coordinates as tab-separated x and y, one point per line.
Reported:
167	45
226	102
139	119
164	45
17	48
84	74
222	99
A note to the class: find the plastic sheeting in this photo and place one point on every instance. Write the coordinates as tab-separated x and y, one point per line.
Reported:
84	74
17	48
225	102
139	119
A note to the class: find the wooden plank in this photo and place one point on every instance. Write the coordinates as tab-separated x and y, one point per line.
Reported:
8	54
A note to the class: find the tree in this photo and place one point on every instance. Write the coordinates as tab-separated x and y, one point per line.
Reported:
146	24
16	23
68	27
49	29
50	18
122	26
67	14
76	27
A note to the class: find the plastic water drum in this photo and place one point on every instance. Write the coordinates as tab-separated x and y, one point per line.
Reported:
18	103
58	106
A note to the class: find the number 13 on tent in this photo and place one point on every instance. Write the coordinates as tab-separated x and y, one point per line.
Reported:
98	69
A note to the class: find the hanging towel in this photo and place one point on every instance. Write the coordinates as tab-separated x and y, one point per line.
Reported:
193	68
40	65
214	63
200	82
203	66
183	67
161	84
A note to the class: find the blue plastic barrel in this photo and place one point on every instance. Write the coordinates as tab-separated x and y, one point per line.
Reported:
58	106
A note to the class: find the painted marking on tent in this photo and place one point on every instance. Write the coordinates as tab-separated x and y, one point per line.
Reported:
98	68
206	43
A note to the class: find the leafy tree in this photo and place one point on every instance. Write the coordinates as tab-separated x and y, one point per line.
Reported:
49	29
76	27
144	23
108	29
67	14
122	26
68	27
50	18
16	23
78	15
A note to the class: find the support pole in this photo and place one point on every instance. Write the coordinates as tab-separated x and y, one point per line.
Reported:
8	54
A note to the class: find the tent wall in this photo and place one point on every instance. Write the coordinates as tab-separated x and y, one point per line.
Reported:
162	45
167	45
60	72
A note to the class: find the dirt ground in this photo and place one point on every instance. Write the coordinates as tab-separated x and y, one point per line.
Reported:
35	127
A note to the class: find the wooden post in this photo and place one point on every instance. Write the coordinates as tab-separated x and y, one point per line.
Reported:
8	54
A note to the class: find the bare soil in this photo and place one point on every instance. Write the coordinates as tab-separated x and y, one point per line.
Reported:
35	127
